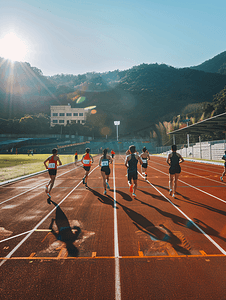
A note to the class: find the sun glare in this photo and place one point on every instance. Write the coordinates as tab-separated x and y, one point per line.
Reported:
13	48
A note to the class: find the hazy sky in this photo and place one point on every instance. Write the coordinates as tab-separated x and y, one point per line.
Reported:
79	36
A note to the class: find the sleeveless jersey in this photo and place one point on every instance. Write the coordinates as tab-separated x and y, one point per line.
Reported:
52	163
174	159
86	160
105	162
132	164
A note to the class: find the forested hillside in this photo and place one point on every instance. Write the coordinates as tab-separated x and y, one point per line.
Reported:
139	97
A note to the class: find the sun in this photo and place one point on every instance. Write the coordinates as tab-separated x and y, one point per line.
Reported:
13	48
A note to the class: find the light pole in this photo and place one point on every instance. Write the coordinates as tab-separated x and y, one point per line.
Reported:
117	123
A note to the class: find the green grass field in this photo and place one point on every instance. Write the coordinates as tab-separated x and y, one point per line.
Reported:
13	166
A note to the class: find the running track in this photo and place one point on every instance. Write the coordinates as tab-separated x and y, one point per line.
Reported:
150	247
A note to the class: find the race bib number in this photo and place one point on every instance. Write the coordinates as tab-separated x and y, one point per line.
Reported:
86	161
51	166
144	160
104	163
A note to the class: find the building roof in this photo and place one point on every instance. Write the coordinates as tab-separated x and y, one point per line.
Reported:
214	124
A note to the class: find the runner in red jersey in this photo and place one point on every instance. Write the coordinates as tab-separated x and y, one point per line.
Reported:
112	153
87	160
52	169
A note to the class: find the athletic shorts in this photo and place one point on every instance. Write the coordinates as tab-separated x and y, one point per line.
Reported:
52	171
132	176
76	156
175	170
112	155
86	168
145	165
106	170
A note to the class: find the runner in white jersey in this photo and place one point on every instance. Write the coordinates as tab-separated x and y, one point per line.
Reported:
145	157
104	162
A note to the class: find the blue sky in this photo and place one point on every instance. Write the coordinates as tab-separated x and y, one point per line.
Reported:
79	36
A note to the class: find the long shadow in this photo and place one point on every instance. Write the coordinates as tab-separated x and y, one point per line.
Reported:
102	198
167	189
186	223
65	233
153	195
125	196
149	228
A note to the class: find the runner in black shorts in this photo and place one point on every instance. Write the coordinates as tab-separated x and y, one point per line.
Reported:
105	169
131	164
174	159
224	158
145	157
52	169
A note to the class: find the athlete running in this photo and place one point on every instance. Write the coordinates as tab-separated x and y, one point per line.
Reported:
224	158
145	157
52	169
131	164
174	159
105	169
76	157
87	159
112	153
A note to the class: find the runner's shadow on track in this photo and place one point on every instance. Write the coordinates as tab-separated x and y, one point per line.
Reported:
209	230
124	196
153	196
167	189
65	233
146	226
102	198
176	219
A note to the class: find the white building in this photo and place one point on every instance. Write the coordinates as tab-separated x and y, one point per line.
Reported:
64	114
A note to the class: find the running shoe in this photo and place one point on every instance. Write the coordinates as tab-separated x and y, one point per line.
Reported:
131	188
133	194
105	192
49	200
108	186
170	192
221	178
173	195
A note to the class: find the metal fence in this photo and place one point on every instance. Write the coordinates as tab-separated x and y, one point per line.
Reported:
212	150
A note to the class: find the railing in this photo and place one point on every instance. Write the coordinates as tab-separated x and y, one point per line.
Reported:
211	150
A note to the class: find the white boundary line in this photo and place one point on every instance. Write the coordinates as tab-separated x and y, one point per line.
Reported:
194	187
203	232
116	245
36	186
223	183
31	231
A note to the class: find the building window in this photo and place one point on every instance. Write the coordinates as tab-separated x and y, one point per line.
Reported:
54	121
68	114
61	121
75	114
55	114
83	121
80	114
62	114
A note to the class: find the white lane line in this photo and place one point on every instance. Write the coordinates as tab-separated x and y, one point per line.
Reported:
194	187
190	220
219	182
35	187
36	227
116	245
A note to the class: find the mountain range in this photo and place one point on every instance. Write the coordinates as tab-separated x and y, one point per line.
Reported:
138	97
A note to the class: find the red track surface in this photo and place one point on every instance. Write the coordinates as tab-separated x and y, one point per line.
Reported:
150	247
